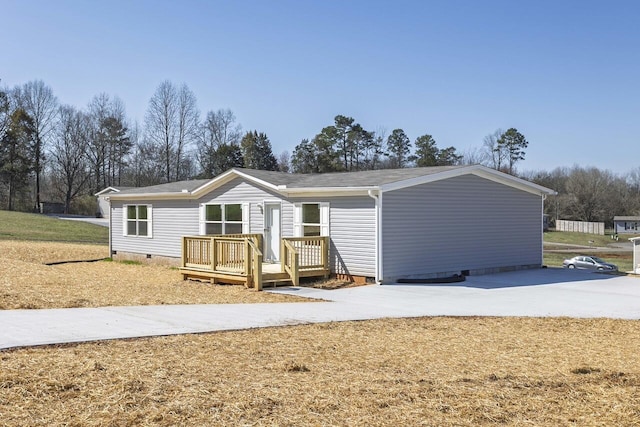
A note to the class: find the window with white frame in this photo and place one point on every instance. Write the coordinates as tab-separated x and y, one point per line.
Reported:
137	220
224	218
311	219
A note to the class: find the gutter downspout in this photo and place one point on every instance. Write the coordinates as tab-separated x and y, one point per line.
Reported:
110	228
544	197
378	236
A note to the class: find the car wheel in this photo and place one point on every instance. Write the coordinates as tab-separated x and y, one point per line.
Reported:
600	268
571	266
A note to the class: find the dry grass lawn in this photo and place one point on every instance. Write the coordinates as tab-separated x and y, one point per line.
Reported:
25	282
430	371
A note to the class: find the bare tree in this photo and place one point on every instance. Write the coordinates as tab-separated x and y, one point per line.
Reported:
588	188
474	156
188	123
172	125
109	143
160	122
69	164
284	163
38	101
495	153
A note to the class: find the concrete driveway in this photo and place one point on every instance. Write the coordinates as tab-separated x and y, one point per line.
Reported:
544	292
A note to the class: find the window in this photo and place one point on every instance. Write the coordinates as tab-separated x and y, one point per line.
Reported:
137	220
223	219
311	219
630	225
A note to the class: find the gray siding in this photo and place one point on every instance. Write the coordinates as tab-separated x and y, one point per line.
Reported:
351	224
462	223
241	191
171	219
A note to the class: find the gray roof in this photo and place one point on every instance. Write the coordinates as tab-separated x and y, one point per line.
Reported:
626	218
372	178
358	181
171	187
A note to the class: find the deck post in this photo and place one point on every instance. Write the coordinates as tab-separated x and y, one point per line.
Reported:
325	256
295	269
247	264
214	254
183	251
257	271
283	255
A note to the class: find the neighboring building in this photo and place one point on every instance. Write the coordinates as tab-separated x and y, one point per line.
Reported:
382	224
626	224
103	200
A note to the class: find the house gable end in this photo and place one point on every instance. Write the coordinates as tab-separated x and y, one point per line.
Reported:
477	170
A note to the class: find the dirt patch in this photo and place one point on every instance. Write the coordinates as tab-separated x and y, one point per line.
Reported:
329	284
26	283
431	371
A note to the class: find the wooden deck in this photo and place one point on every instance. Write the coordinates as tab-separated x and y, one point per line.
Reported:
238	259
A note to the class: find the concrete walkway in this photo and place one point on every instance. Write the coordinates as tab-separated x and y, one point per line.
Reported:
545	292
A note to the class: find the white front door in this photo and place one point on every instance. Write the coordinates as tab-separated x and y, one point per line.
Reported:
272	232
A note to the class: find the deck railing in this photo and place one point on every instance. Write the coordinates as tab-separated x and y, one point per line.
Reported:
240	255
233	255
304	253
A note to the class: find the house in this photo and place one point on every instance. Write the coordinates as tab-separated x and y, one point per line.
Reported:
626	224
381	225
103	196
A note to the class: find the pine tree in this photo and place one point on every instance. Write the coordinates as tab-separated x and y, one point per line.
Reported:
17	154
257	152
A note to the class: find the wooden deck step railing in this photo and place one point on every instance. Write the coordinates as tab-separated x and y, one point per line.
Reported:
300	255
239	258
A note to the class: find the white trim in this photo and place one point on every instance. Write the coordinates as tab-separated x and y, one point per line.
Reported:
125	220
107	190
325	222
202	227
297	219
245	221
246	217
265	215
324	219
226	177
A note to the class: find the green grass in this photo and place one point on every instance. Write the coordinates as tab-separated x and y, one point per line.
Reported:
624	261
25	226
582	238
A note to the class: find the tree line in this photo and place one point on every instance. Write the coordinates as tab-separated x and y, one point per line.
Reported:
50	151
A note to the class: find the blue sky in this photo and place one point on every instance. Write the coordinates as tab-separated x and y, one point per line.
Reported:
564	73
